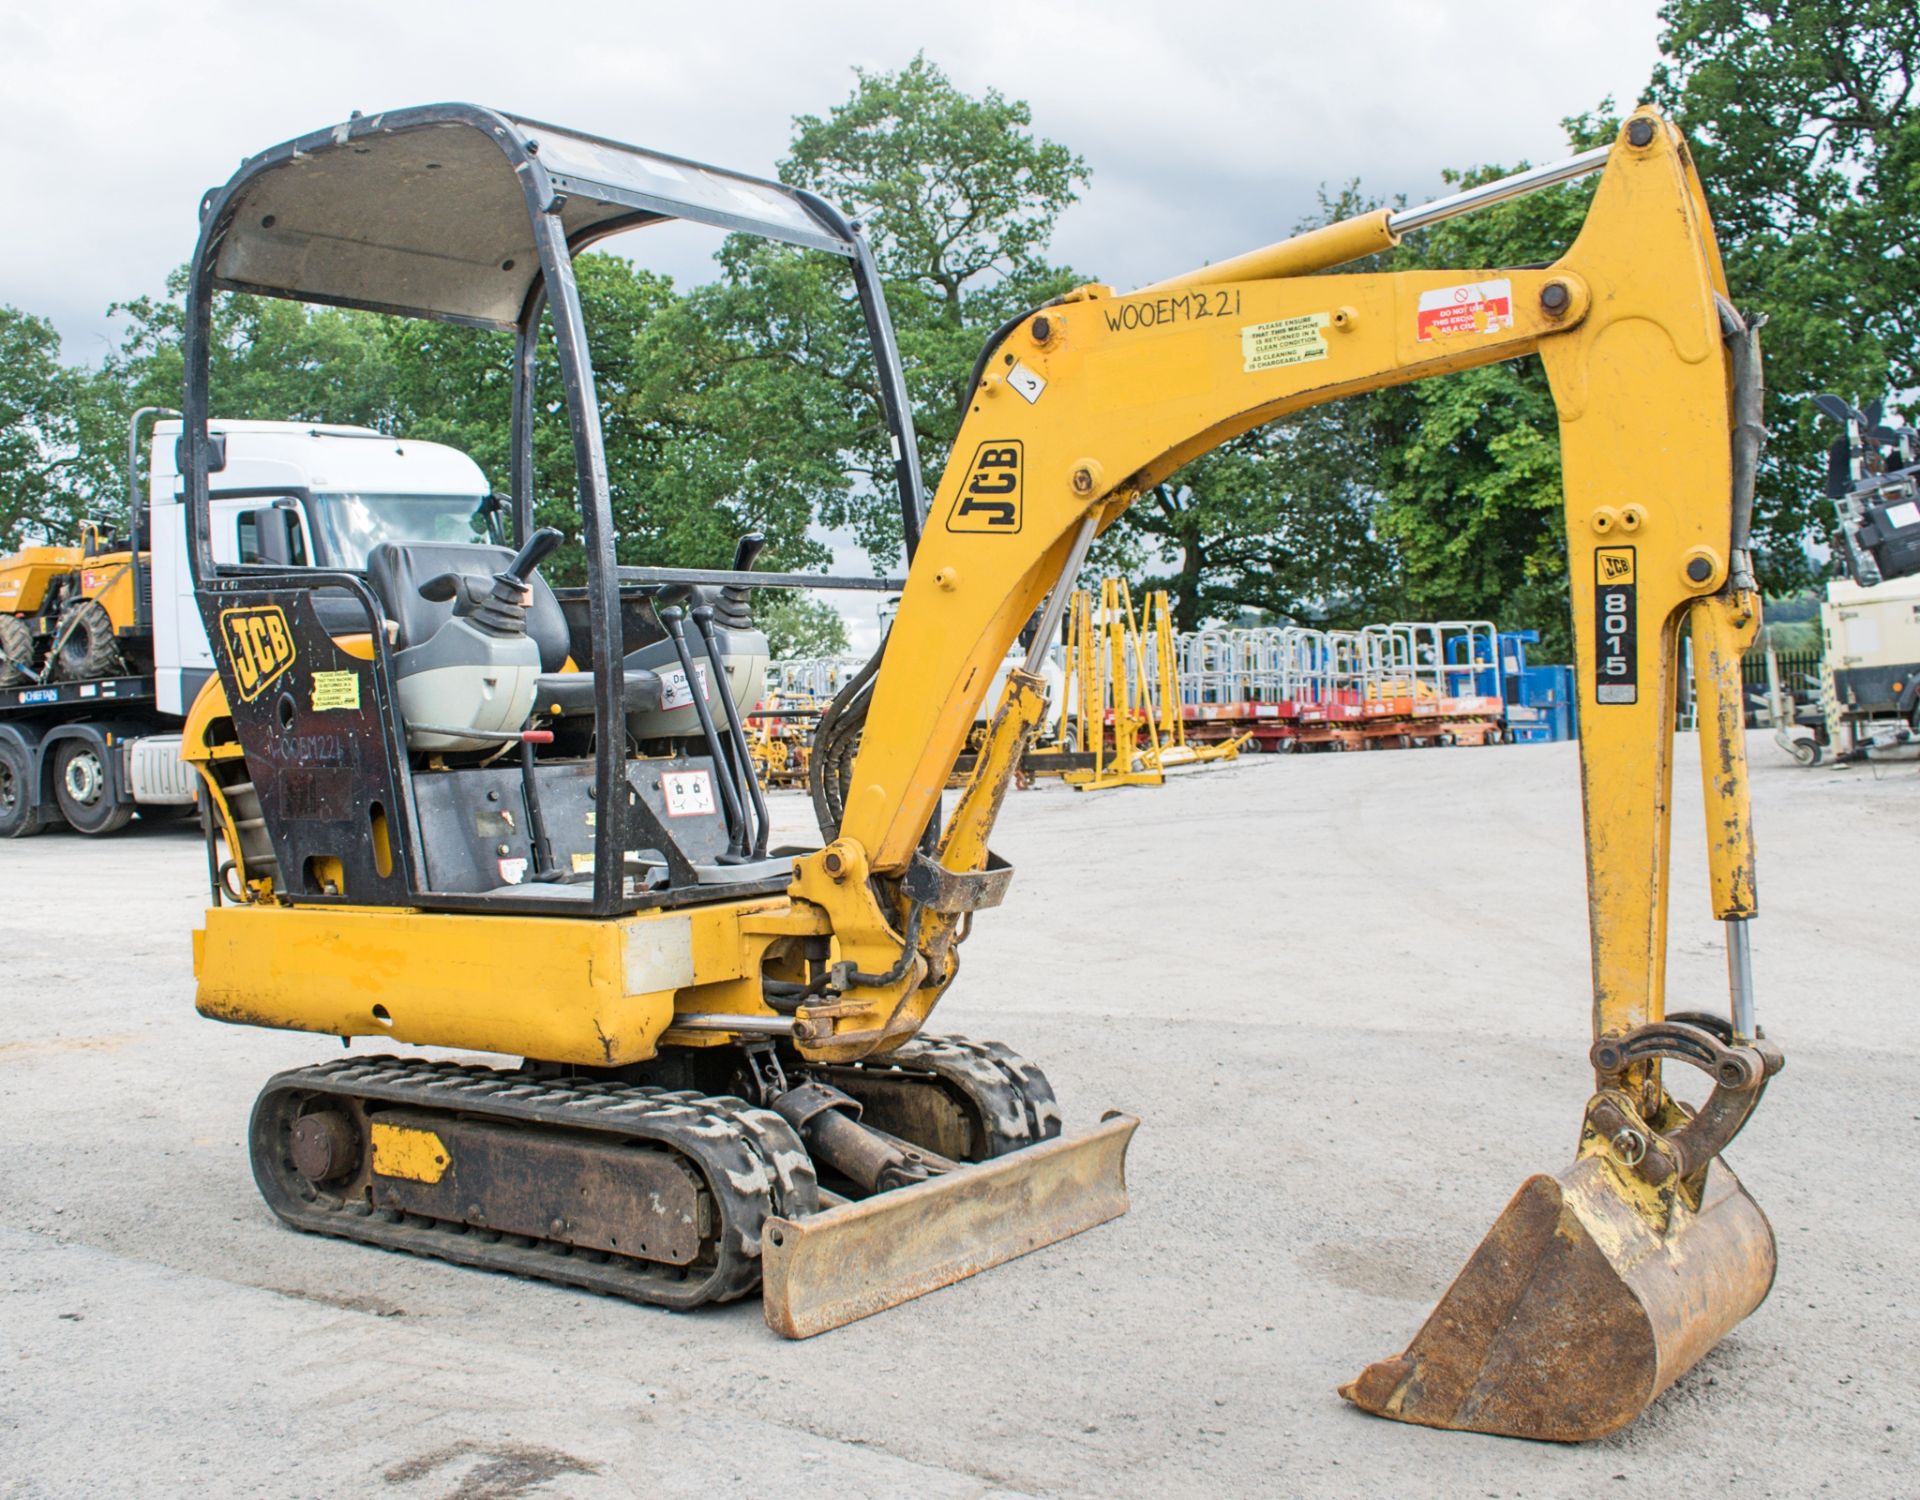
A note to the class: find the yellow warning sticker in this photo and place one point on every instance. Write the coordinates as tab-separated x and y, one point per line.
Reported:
408	1153
335	690
1291	341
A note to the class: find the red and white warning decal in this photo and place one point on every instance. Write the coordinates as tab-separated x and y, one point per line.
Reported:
1476	307
688	793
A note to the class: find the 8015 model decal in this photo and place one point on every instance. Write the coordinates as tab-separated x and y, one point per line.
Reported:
1616	631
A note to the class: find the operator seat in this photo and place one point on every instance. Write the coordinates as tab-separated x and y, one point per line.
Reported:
395	571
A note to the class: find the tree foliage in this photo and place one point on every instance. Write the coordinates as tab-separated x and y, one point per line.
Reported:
1470	485
958	198
40	401
1803	122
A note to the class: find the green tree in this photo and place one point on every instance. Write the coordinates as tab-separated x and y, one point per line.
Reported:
43	494
958	198
270	359
1471	496
1802	117
800	625
694	456
1278	520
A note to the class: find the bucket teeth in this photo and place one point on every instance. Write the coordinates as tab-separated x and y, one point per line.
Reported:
1584	1302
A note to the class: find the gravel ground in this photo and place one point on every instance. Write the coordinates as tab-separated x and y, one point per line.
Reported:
1346	994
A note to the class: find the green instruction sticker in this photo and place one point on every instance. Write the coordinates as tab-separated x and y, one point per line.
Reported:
335	690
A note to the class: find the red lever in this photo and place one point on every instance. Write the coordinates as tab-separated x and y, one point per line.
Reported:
537	736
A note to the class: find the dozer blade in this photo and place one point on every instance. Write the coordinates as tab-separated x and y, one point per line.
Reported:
1579	1308
856	1259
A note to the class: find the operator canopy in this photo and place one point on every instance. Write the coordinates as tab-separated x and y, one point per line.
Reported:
429	212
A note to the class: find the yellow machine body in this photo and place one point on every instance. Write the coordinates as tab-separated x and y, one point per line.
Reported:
601	995
1639	1256
108	579
26	576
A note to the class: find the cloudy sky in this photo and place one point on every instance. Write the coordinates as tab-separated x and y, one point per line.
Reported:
1208	125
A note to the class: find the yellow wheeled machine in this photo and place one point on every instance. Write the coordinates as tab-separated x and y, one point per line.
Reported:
433	827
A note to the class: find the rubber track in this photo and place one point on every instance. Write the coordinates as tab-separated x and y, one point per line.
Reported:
749	1160
1013	1095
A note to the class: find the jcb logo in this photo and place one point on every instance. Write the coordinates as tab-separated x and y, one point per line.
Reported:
259	645
989	498
1615	564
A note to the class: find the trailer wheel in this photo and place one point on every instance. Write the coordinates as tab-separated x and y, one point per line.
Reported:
19	816
87	647
16	651
84	790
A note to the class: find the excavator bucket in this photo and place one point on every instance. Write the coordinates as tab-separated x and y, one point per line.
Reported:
859	1258
1586	1301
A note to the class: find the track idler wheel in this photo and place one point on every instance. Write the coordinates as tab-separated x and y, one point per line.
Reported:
1601	1286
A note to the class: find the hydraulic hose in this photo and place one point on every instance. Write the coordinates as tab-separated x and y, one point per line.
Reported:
834	739
1749	432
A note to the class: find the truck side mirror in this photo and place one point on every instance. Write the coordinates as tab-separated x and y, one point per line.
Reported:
491	517
276	535
216	453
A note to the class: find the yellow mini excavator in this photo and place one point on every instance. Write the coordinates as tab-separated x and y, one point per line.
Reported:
455	806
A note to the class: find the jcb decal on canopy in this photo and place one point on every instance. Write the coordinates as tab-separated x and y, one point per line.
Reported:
260	646
989	498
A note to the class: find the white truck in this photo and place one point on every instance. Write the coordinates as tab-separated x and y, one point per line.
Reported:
95	753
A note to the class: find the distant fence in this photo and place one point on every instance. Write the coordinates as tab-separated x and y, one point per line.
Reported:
1799	676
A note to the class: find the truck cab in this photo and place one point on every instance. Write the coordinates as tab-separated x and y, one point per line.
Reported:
303	494
94	751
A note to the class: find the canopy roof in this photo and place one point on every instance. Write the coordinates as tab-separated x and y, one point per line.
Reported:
429	211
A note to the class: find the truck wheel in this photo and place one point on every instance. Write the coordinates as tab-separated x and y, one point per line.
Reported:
19	817
84	791
87	647
16	651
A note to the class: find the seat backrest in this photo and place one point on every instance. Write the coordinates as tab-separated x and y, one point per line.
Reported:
395	571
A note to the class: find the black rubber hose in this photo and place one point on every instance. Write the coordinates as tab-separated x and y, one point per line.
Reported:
994	340
827	777
1749	430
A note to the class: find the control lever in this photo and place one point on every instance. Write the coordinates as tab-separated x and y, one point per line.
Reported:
702	616
497	605
734	607
751	546
539	547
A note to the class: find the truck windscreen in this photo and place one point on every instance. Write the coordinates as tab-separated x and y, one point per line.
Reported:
350	525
